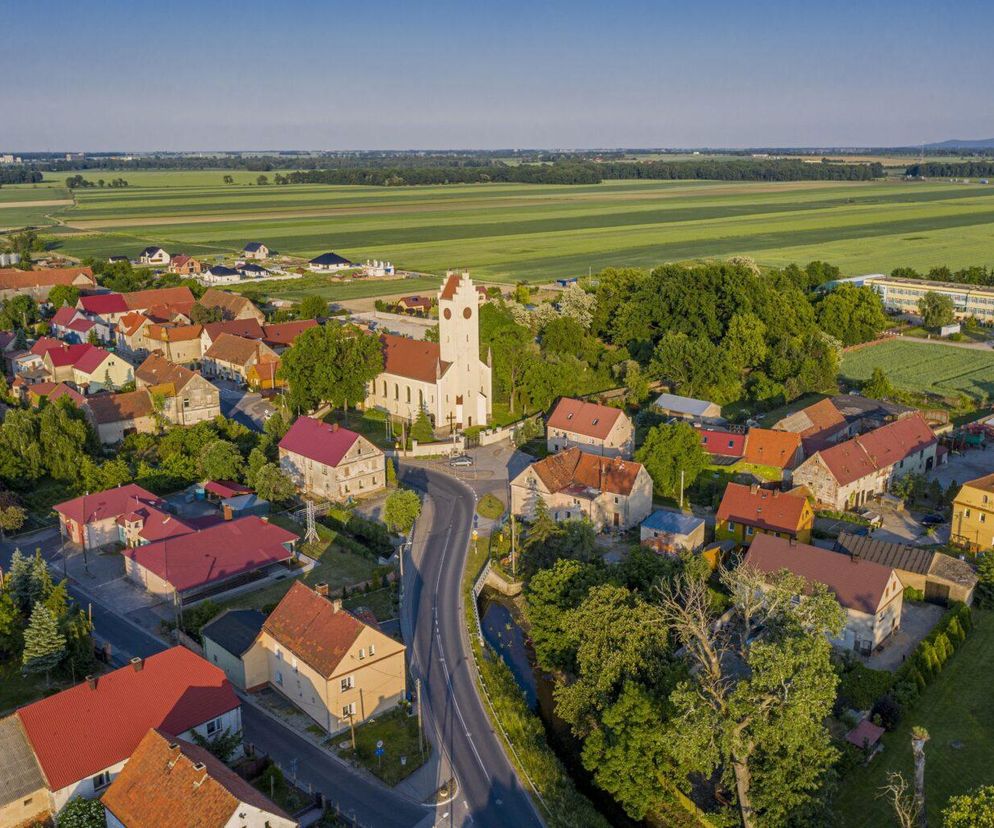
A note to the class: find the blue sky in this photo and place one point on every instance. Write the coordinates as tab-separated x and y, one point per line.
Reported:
304	74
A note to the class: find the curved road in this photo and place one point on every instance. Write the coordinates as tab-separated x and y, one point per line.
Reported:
489	792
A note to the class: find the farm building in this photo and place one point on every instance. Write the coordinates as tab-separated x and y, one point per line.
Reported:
666	531
687	408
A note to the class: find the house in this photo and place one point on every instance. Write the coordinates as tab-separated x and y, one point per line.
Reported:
126	514
58	362
255	250
184	566
246	328
329	263
115	416
153	256
183	265
335	667
327	461
446	379
220	275
232	305
687	408
248	270
282	335
940	577
774	449
170	782
84	736
870	594
416	304
38	283
188	398
265	376
69	325
24	798
847	474
174	298
973	514
52	391
725	444
103	307
230	357
130	333
574	484
591	427
748	511
819	425
667	531
177	343
228	640
100	370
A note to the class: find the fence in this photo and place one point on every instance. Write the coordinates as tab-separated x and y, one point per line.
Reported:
478	585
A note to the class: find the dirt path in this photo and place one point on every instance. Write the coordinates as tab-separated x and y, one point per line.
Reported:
55	202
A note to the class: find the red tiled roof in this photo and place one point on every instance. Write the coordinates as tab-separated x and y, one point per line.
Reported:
108	504
309	627
767	447
116	408
91	360
101	303
81	326
773	511
175	312
450	286
858	584
721	442
587	418
170	782
221	551
46	344
131	322
321	442
877	449
231	303
411	358
63	390
64	315
72	354
174	333
237	350
226	488
574	467
143	299
14	279
865	734
80	731
157	370
284	333
247	328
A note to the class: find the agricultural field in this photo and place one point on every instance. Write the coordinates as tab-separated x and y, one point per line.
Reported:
922	366
32	205
507	232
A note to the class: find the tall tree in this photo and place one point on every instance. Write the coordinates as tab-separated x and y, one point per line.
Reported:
63	295
401	510
852	314
936	310
970	810
221	460
65	436
272	483
668	451
44	645
311	307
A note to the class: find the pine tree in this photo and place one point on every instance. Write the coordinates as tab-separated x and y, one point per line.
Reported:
18	582
421	430
391	472
11	626
41	579
44	645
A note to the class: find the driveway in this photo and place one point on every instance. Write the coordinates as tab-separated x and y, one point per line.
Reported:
968	465
917	621
247	407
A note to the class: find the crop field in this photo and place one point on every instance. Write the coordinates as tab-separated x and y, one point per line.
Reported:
30	205
506	232
927	367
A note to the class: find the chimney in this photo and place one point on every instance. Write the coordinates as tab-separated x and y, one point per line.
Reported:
336	604
333	427
137	663
322	588
753	489
92	682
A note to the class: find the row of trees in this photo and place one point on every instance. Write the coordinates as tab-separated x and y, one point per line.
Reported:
951	169
77	182
19	175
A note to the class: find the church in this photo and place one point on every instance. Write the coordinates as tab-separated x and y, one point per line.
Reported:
447	379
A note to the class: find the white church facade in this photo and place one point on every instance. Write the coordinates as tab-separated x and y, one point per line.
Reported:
447	379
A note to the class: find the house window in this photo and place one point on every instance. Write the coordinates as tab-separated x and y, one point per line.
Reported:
213	726
348	710
983	518
348	683
967	513
101	780
362	653
293	663
731	526
731	443
279	678
279	654
372	649
749	530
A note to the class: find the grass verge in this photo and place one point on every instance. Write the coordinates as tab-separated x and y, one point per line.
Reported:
399	734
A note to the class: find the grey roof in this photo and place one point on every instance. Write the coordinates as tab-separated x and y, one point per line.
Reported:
895	555
330	259
683	405
853	406
20	774
953	569
221	270
675	523
251	247
234	630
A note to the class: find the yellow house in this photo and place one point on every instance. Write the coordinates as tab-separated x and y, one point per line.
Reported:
973	514
335	667
746	511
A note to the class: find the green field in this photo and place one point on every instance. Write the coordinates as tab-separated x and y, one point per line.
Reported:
506	232
956	710
928	367
32	205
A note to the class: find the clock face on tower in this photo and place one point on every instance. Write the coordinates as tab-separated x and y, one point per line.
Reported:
467	313
448	313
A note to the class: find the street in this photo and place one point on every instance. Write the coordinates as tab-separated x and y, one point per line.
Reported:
249	408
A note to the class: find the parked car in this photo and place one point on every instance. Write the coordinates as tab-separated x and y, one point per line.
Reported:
461	460
933	519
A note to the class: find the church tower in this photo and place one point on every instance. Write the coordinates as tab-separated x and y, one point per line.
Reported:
468	378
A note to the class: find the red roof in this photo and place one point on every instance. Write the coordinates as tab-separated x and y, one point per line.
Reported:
63	390
284	333
721	442
325	443
46	344
412	358
91	360
81	326
100	303
779	449
144	299
64	315
766	509
221	551
858	584
14	279
226	488
72	354
865	734
451	284
108	504
80	731
574	467
877	449
587	418
247	328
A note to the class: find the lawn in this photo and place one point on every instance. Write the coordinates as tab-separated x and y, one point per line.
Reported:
933	368
382	602
956	710
490	506
17	689
399	734
506	232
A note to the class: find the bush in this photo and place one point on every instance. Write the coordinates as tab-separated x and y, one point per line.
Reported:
887	711
912	594
860	686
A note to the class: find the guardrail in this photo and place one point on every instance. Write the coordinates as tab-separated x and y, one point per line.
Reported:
478	585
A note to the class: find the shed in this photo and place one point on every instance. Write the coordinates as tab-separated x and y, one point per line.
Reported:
687	408
244	504
228	639
865	735
666	531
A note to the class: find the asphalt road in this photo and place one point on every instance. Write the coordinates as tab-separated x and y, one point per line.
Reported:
490	793
247	407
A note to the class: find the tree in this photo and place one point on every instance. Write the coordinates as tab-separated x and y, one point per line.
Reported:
19	312
669	450
401	510
11	626
44	645
262	180
576	304
852	314
64	434
273	484
63	295
21	456
311	307
564	336
223	746
11	519
754	705
391	471
878	387
82	813
901	800
919	736
970	810
985	584
549	541
421	429
936	310
201	315
332	364
228	179
221	460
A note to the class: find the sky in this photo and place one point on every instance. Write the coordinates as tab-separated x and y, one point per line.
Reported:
304	74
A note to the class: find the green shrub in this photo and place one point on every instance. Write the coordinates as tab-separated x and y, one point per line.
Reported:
912	594
860	686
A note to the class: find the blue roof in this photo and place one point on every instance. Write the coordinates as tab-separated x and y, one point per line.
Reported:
674	523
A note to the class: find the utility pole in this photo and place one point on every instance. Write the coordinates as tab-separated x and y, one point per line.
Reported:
514	556
421	728
681	488
352	726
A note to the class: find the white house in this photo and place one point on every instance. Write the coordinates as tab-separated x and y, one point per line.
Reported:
598	429
154	256
327	461
329	263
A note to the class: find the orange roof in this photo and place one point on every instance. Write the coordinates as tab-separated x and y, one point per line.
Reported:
131	322
412	358
230	303
168	781
14	279
238	351
174	333
767	447
817	424
450	286
156	370
115	408
766	509
310	627
144	299
587	418
877	449
579	468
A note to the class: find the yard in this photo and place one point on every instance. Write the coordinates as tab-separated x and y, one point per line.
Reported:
957	712
399	734
17	689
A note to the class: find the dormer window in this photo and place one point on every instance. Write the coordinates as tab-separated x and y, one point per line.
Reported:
362	653
595	421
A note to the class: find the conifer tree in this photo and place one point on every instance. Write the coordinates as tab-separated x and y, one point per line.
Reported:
44	645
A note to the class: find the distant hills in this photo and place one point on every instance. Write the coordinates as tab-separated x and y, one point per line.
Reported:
957	143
